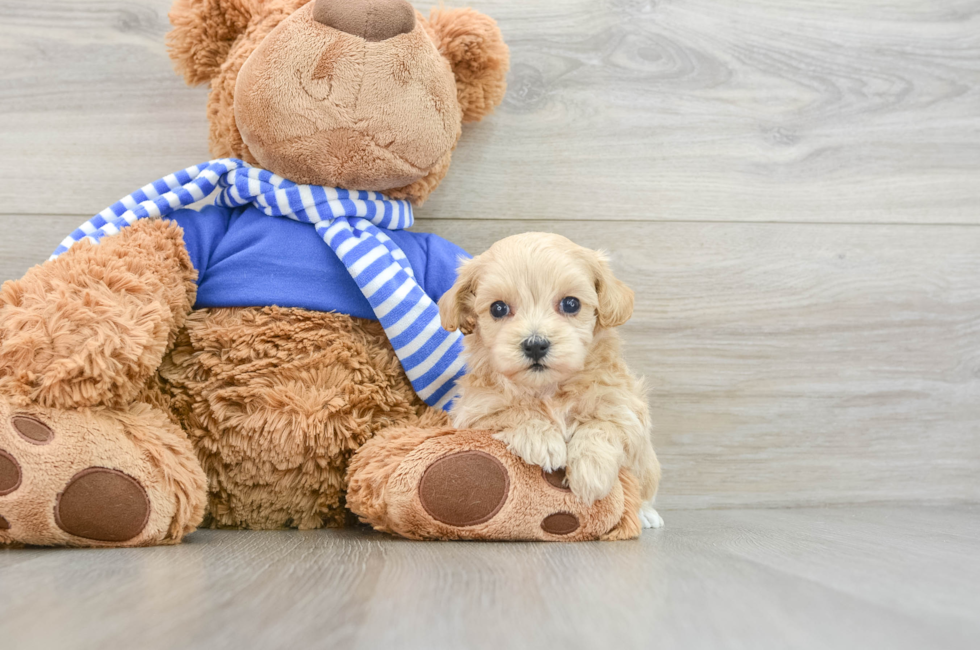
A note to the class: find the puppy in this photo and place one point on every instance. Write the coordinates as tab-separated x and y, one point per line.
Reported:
545	367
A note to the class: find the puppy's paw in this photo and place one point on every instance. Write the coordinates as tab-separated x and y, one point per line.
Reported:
649	517
549	452
536	443
590	480
591	477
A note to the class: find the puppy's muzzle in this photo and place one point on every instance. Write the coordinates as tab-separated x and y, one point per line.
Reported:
535	348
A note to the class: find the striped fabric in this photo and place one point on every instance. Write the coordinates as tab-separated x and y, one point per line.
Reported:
352	223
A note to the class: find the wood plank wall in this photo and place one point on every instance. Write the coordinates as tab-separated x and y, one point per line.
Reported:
792	188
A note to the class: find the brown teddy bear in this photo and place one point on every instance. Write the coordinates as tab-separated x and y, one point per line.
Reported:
220	362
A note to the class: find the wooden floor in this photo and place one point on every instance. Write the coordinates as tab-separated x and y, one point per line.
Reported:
836	578
792	188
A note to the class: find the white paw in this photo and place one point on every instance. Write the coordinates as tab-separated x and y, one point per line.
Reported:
649	517
542	447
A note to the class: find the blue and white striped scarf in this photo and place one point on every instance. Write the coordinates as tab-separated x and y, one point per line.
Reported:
350	222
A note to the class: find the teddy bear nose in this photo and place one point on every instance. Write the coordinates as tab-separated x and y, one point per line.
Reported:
372	20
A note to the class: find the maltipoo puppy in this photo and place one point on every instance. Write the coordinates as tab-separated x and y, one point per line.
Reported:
545	368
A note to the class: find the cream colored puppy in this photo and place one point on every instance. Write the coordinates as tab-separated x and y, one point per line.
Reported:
544	363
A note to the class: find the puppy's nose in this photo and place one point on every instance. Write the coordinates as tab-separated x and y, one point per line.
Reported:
372	20
535	348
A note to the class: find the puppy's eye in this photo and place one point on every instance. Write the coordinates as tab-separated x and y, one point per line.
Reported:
499	309
569	305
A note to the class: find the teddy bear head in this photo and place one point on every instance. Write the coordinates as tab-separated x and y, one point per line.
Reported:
358	94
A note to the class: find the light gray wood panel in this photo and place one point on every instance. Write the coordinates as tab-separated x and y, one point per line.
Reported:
804	578
792	364
760	110
26	242
787	364
91	108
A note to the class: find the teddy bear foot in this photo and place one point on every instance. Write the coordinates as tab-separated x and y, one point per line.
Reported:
91	477
466	485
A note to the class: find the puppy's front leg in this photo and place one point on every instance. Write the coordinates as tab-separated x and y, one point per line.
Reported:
537	442
595	454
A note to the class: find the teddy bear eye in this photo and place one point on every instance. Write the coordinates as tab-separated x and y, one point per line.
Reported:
499	309
569	305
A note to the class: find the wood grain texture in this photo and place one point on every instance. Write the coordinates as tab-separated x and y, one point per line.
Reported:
786	364
899	578
760	110
31	241
749	160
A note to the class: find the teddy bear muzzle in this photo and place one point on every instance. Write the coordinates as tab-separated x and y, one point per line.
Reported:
372	20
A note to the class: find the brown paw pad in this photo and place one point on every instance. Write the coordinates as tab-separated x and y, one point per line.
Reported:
32	430
464	489
556	479
560	523
4	524
104	505
9	473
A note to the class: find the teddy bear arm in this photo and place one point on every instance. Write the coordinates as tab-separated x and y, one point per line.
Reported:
91	327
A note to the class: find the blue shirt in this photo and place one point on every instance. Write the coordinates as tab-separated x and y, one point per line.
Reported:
245	258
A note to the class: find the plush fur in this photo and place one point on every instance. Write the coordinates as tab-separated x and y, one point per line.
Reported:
276	401
81	339
137	439
249	416
102	345
299	98
471	42
306	105
386	471
577	407
90	328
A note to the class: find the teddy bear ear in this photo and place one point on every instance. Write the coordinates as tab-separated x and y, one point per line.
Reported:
475	48
203	33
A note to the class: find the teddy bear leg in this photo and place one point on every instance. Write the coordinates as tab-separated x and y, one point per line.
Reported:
96	477
276	401
82	461
428	483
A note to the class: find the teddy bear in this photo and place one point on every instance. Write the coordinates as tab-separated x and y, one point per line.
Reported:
270	360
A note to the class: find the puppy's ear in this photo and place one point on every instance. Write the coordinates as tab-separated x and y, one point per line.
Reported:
203	33
477	54
615	298
455	306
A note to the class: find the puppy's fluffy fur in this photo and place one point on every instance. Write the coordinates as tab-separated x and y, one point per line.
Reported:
577	407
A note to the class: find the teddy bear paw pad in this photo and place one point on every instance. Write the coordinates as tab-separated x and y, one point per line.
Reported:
86	477
560	523
105	505
464	489
32	429
10	474
556	479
